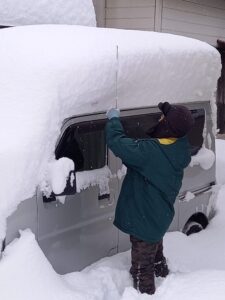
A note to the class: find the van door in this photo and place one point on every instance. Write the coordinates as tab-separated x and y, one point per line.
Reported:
80	231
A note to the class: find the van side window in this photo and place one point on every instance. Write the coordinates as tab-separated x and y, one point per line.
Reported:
137	127
85	144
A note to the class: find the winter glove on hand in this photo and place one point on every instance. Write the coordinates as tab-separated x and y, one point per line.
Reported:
113	113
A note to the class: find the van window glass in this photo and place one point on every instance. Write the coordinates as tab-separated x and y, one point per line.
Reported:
137	126
85	144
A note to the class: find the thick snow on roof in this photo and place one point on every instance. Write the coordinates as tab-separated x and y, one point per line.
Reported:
26	12
50	72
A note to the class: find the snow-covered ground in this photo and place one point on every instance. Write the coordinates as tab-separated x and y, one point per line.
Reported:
197	265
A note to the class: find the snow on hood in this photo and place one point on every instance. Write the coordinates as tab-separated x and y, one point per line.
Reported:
26	12
51	72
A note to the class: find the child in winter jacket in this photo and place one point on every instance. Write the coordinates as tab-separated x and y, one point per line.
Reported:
145	207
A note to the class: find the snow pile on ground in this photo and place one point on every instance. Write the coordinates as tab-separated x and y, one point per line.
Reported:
51	72
199	251
31	275
26	12
197	267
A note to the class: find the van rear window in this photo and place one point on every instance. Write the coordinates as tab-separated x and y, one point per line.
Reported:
85	144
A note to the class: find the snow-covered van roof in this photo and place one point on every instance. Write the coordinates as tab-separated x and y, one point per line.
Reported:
51	72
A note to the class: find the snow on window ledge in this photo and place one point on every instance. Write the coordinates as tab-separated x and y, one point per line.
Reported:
98	177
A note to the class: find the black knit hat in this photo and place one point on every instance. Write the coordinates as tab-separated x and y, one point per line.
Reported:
178	119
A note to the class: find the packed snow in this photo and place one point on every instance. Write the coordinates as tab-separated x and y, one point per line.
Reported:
189	196
205	158
26	12
51	72
197	265
57	174
99	177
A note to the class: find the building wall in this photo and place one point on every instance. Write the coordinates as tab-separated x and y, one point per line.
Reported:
201	19
130	14
100	6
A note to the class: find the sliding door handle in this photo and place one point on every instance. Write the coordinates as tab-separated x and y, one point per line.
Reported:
104	197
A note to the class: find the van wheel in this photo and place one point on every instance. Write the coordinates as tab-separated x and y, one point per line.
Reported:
195	224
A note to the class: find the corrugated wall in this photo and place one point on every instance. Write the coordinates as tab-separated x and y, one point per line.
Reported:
201	19
130	14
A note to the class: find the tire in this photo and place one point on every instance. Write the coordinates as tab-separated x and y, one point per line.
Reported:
195	224
193	227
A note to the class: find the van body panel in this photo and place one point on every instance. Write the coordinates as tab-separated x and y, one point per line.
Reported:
198	204
24	217
77	232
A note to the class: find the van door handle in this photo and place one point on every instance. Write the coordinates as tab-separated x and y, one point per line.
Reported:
103	197
106	200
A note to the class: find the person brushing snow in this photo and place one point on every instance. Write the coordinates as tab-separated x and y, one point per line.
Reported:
145	207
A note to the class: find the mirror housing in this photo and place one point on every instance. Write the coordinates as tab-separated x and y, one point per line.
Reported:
70	189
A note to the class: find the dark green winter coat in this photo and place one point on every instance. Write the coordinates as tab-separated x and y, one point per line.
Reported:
153	180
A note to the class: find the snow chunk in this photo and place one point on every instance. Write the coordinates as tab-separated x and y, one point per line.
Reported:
25	12
205	158
98	177
122	172
25	273
58	174
209	140
189	196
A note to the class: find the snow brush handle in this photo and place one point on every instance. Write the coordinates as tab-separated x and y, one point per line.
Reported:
117	71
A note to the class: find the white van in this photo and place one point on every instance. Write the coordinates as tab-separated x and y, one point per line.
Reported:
58	177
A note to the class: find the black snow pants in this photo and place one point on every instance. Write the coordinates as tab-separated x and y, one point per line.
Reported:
147	260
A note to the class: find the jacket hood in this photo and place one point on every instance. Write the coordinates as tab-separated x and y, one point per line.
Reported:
183	153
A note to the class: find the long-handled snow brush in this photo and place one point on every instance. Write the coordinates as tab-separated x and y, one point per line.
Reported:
117	71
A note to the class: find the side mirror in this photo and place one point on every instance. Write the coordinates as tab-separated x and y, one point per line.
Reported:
70	188
61	184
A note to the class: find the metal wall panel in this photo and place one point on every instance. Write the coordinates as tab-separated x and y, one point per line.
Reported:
99	6
130	14
204	20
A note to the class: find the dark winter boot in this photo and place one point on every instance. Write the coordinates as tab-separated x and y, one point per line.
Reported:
160	265
161	268
142	269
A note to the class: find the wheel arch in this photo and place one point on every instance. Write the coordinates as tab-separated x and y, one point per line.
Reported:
198	220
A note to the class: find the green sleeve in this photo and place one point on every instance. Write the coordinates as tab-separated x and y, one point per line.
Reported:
127	149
